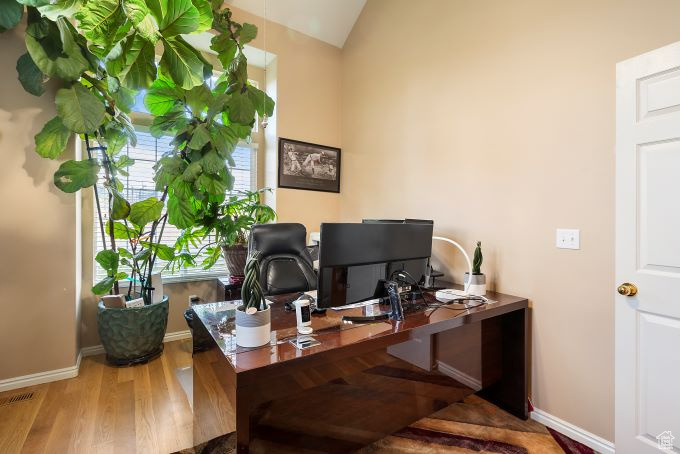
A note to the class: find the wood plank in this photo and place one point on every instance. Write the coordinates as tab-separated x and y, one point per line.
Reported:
17	419
145	420
90	378
105	409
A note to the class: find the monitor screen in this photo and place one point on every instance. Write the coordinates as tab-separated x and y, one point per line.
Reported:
356	259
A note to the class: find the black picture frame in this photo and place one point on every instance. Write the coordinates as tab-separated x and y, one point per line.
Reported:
299	168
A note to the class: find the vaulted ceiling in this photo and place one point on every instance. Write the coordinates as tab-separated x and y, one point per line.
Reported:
327	20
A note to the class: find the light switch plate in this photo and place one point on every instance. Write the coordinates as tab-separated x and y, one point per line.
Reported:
568	239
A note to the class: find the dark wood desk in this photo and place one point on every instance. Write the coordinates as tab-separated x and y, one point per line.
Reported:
234	386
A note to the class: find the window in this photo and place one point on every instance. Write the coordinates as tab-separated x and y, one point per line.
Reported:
139	185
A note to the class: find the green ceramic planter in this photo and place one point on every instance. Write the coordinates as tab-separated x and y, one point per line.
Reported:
132	335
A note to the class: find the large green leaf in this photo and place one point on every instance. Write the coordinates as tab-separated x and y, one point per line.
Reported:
181	212
241	109
60	8
163	251
167	170
225	47
145	211
161	97
10	14
104	286
70	62
136	65
122	232
51	141
199	138
158	8
248	33
80	110
100	21
224	139
30	76
142	19
108	259
74	175
262	102
182	63
192	172
211	184
213	163
198	98
125	99
168	124
115	139
120	208
124	161
181	17
205	15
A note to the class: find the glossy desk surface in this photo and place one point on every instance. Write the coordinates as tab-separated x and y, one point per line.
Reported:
333	333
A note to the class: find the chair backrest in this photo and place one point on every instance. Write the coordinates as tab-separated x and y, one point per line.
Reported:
285	263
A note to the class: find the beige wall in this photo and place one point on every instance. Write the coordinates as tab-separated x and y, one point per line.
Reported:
37	235
307	73
496	119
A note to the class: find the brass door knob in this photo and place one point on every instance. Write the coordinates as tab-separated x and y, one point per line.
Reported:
627	289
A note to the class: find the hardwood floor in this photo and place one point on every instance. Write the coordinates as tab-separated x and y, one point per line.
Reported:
140	409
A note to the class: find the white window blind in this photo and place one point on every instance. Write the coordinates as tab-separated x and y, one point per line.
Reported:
139	185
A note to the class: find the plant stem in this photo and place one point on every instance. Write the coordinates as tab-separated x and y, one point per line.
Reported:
154	252
96	196
109	182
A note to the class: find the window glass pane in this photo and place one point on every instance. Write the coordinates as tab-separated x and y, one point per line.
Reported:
139	185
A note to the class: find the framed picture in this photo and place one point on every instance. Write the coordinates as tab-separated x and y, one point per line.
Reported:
308	166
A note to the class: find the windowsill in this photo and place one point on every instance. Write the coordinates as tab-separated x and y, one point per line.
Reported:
181	279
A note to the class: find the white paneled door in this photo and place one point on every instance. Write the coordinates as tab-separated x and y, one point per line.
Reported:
648	253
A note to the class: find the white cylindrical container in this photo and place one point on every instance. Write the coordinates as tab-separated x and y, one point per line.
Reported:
253	330
477	284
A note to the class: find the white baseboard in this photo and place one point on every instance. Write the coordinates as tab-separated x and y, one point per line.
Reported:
177	335
70	372
169	337
591	440
39	378
457	375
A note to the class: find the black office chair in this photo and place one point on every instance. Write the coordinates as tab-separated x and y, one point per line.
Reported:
285	263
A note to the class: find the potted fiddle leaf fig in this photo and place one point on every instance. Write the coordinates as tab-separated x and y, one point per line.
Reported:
253	316
477	282
101	53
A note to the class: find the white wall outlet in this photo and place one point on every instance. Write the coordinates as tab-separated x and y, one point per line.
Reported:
568	239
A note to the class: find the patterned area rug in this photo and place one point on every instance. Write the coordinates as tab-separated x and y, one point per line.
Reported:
471	426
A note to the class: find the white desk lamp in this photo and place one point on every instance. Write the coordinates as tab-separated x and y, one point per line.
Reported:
451	294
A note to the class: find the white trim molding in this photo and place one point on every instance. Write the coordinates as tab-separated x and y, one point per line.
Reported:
591	440
39	378
459	376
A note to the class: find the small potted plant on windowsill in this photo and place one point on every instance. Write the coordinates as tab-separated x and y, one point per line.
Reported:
228	225
253	316
478	279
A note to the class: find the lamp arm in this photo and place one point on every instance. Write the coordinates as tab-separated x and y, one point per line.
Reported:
466	285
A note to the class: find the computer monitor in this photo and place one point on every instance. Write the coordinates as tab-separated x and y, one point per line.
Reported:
356	259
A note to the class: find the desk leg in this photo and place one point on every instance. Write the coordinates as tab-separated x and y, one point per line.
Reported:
505	360
244	408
